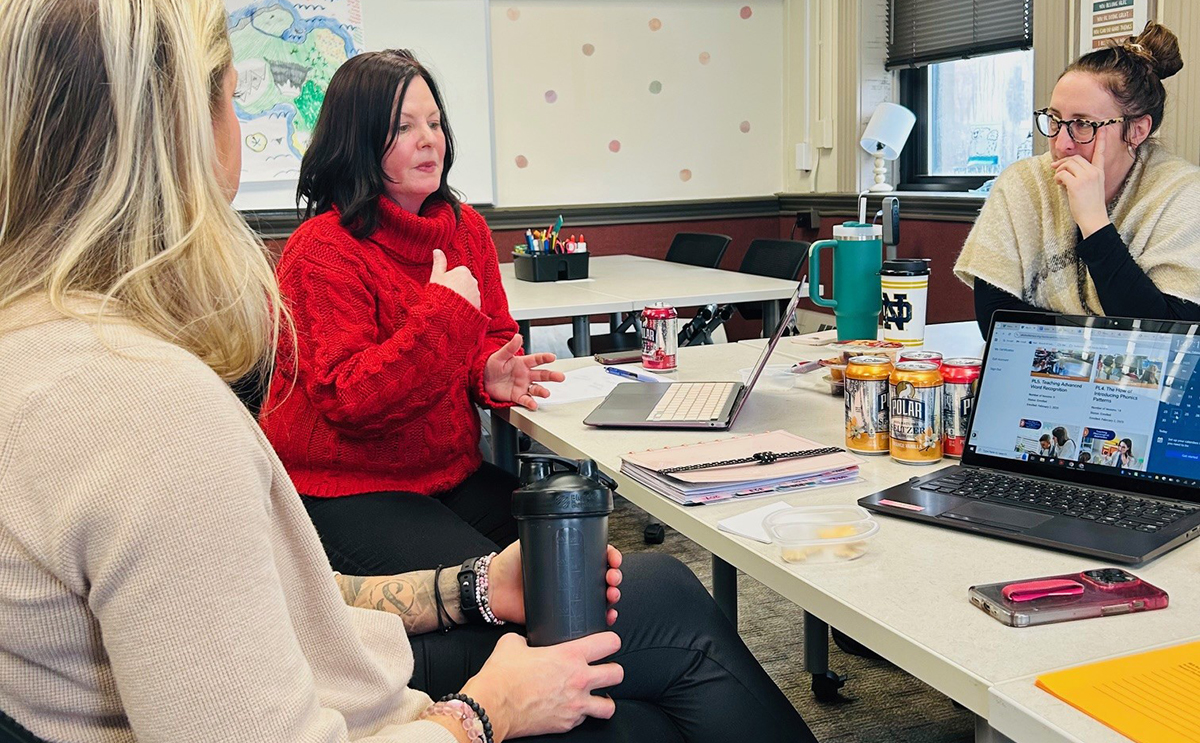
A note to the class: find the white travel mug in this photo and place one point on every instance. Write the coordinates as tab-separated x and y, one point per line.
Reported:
905	284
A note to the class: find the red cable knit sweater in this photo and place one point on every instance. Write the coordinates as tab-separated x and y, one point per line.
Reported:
379	392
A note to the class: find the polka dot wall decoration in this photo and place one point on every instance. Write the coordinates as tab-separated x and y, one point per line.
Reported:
522	161
655	87
746	12
513	14
588	50
614	146
685	175
551	96
655	24
705	57
744	127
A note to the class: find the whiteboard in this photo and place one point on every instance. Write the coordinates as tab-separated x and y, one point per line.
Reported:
452	38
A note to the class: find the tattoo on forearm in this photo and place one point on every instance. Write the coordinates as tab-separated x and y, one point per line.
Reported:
409	595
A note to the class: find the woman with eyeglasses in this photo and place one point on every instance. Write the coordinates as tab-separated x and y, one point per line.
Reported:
1106	222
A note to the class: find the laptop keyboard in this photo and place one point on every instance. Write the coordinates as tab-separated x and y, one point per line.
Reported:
1125	511
694	401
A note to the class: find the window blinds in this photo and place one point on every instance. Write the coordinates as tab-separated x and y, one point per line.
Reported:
925	31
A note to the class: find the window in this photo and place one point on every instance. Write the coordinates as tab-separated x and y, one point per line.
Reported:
974	118
966	71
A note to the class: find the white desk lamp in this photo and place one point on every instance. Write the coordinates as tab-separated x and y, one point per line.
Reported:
885	136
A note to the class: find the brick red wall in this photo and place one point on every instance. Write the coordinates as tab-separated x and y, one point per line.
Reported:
949	299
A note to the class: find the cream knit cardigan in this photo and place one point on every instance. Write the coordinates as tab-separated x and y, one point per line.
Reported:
1024	239
159	577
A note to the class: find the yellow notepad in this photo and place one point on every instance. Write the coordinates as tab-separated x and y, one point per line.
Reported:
1151	697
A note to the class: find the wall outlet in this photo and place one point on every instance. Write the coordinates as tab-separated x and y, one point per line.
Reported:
804	156
824	133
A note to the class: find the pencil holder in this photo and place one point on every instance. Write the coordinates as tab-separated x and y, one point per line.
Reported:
550	266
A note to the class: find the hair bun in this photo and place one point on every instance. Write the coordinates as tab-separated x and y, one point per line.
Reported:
1159	47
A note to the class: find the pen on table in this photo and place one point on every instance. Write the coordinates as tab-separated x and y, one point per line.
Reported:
629	375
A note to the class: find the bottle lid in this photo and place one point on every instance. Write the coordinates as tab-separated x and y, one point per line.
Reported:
564	494
905	267
857	231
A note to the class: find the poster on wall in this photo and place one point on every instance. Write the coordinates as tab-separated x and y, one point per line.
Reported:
1102	20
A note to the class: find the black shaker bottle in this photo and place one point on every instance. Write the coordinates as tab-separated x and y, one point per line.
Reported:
562	513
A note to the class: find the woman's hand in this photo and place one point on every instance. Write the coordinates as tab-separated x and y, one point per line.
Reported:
506	588
458	279
1084	182
508	377
537	691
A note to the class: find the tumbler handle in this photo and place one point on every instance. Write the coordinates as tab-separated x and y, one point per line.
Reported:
814	273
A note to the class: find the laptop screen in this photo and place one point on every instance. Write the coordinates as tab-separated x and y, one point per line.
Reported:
756	371
1102	401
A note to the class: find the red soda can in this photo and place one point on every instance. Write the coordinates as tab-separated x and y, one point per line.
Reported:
961	382
660	337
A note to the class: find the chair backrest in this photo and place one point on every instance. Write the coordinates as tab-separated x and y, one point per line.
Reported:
698	249
780	259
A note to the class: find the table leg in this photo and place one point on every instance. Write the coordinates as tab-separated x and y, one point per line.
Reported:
614	321
770	313
825	683
725	588
524	329
504	444
583	335
985	733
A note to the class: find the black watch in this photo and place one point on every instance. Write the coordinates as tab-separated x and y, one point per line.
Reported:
466	592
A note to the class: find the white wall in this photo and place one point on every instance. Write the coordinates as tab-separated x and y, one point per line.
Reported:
713	129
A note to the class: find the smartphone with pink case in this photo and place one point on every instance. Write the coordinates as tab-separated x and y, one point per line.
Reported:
1061	598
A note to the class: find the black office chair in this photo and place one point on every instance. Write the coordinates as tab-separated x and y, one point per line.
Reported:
779	259
698	249
693	248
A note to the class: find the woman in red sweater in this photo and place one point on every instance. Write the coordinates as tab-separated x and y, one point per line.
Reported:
402	328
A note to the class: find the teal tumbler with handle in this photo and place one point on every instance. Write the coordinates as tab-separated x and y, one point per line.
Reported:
857	294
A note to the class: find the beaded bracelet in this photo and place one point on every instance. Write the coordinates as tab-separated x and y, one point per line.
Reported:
482	600
464	713
478	710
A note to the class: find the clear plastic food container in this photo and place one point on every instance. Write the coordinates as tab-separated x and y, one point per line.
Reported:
821	534
777	377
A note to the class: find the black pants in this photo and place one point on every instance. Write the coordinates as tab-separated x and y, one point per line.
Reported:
688	675
387	533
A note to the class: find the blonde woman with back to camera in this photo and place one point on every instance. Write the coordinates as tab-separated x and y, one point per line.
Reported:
1105	223
161	579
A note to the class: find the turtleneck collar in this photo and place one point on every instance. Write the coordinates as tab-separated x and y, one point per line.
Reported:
413	237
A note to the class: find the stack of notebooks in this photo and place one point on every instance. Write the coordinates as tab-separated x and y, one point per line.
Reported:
742	480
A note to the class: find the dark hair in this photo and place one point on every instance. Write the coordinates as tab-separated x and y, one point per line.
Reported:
1134	70
343	166
1060	435
1083	454
1128	446
1045	438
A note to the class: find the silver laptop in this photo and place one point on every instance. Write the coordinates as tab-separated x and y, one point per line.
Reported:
684	404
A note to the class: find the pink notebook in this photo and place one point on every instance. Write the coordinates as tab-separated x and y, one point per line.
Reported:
655	460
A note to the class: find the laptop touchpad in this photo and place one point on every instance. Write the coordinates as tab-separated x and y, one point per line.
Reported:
1006	518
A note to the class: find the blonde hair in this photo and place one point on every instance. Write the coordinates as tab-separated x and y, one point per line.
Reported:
108	174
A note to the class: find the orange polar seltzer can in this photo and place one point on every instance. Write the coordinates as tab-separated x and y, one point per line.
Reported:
915	412
867	404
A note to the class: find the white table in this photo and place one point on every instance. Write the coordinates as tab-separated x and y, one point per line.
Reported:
627	283
906	598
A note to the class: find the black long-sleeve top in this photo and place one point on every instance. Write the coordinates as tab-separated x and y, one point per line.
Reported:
1123	287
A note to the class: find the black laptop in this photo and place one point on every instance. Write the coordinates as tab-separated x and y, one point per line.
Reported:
712	405
1084	437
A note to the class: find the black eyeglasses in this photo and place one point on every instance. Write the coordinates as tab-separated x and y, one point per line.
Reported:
1080	130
